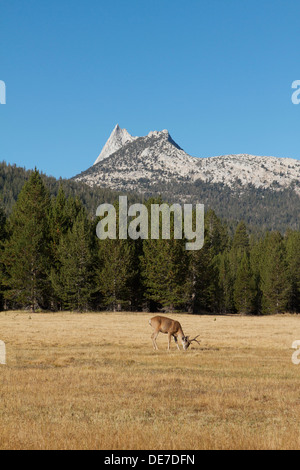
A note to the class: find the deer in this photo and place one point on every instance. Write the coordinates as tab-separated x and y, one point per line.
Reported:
171	328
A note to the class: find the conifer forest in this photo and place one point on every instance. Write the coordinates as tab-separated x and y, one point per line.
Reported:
52	260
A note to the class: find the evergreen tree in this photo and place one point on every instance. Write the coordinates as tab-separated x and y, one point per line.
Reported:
275	284
229	265
201	277
165	273
216	233
241	238
164	268
73	281
244	288
63	215
26	251
226	276
204	266
50	257
59	218
257	252
293	259
116	272
3	237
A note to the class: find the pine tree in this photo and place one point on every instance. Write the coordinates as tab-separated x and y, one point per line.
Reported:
73	281
165	268
200	280
3	237
275	284
165	273
26	251
229	264
116	272
203	270
204	266
241	238
216	233
293	258
63	214
226	275
60	221
244	288
256	253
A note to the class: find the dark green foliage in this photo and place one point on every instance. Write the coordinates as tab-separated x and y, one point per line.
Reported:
3	237
275	282
227	277
164	270
116	273
230	274
226	282
293	260
26	250
244	287
72	278
261	209
240	241
256	266
13	178
50	258
204	265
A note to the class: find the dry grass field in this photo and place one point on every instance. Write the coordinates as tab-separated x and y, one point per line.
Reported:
93	381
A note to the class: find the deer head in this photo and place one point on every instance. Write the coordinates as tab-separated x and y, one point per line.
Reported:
187	342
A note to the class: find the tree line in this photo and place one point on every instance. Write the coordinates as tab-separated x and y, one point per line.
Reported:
51	259
261	208
13	178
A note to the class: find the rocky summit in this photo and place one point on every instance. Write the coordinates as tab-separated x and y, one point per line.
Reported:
141	163
264	191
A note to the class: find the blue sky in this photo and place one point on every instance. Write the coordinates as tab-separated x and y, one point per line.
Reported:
216	73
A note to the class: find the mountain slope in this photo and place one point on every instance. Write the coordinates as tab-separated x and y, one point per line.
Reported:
118	138
142	162
263	191
12	179
261	208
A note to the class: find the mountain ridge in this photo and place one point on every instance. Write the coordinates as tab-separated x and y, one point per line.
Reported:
261	209
157	157
262	191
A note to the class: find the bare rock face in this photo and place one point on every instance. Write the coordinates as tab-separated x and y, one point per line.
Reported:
141	163
117	139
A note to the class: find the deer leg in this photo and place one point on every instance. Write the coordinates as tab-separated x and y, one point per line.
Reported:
169	341
154	336
176	341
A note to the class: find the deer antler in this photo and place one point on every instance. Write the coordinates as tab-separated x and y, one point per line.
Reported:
195	339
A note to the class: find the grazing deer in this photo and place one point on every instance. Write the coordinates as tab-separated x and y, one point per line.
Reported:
171	328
